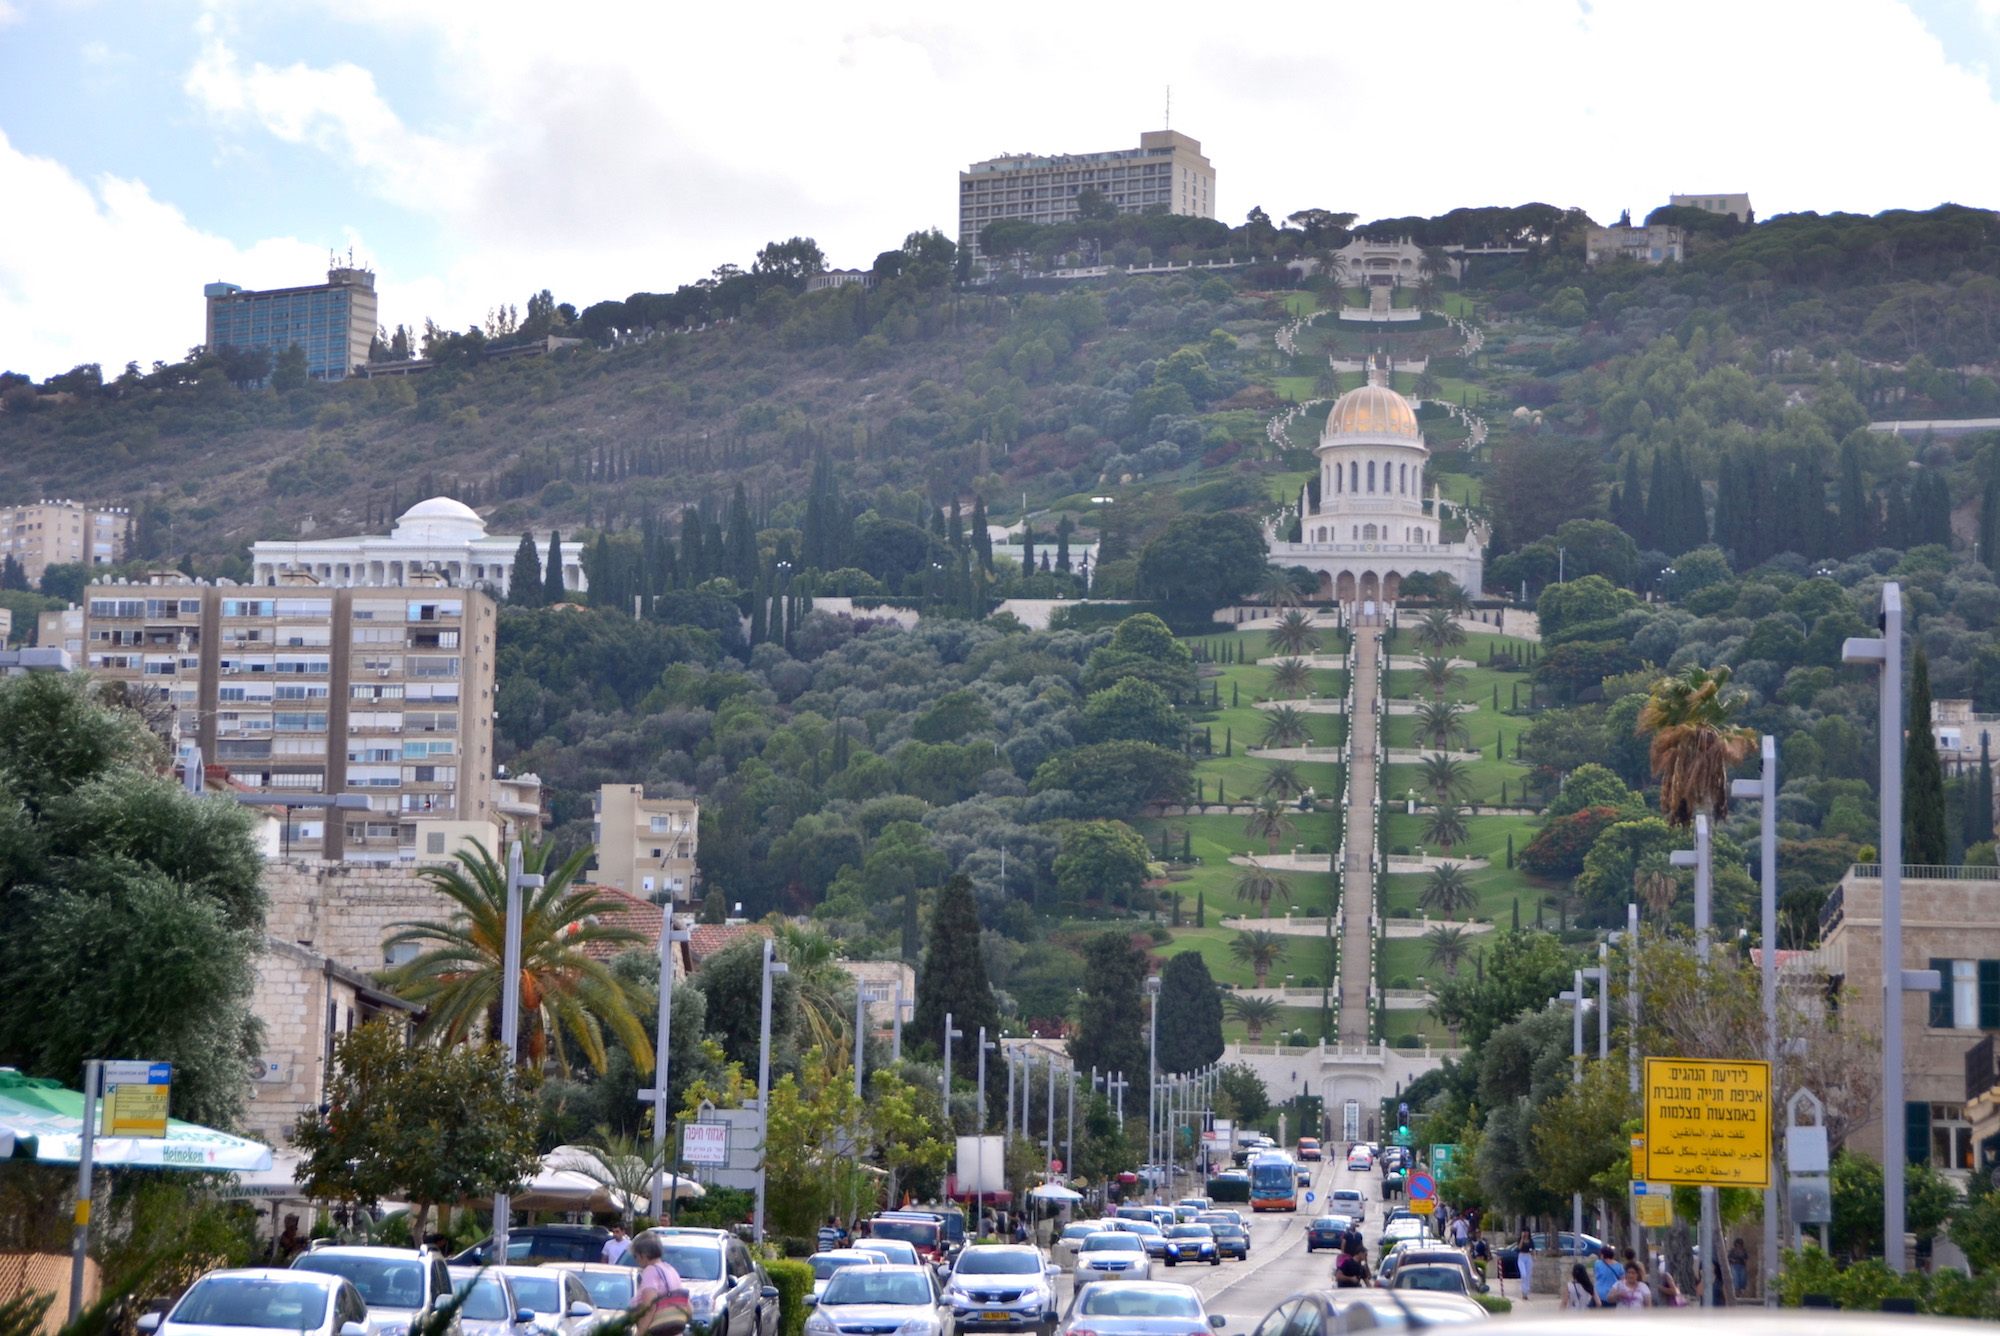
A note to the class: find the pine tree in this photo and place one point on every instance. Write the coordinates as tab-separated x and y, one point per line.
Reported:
1190	1017
1923	775
524	582
553	590
953	978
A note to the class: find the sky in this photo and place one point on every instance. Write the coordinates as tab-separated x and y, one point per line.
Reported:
473	154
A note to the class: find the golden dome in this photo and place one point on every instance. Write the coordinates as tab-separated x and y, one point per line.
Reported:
1372	410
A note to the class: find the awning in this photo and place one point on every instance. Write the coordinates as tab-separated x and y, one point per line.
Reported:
277	1183
45	1121
1054	1192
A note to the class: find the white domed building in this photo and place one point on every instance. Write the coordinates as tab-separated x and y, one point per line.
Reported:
435	542
1374	525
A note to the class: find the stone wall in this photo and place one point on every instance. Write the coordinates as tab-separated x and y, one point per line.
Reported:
343	910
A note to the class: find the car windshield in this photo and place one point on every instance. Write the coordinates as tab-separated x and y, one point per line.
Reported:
1127	1300
1119	1242
998	1262
1146	1227
486	1302
1078	1231
916	1233
384	1282
893	1249
252	1301
542	1294
1191	1232
692	1261
1431	1278
875	1285
824	1266
609	1289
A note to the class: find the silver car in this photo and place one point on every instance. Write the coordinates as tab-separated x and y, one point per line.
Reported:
262	1300
1072	1239
397	1284
1002	1287
559	1301
880	1301
825	1264
728	1292
612	1288
1113	1254
1152	1308
490	1308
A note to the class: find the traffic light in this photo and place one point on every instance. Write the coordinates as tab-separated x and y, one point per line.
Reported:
1403	1117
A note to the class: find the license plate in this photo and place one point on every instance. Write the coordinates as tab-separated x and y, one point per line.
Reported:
995	1317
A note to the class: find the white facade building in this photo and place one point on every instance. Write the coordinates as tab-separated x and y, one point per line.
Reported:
435	540
1373	525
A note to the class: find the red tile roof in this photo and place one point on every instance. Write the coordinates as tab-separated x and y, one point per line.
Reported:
618	909
708	938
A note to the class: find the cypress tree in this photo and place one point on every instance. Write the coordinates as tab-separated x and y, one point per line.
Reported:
1923	775
742	541
1989	522
1190	1016
524	582
1517	913
694	552
1629	512
957	526
953	978
1659	501
1201	909
1895	517
1510	864
982	541
1062	544
552	571
1979	802
1027	548
1857	507
718	550
1731	521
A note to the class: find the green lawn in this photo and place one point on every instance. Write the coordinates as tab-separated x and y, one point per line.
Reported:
1301	303
1216	838
1295	388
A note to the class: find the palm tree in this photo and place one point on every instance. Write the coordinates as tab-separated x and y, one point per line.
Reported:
1439	675
1438	725
1445	826
1254	1012
1287	726
1656	883
1694	744
1293	634
1426	295
1259	884
1439	630
1427	385
1446	948
1282	780
565	991
812	958
1258	949
1291	677
1451	596
1269	821
1448	891
1445	778
624	1164
1277	590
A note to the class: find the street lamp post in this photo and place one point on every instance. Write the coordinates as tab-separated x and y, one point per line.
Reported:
1765	790
665	1031
772	968
1153	1071
1699	859
510	1008
949	1035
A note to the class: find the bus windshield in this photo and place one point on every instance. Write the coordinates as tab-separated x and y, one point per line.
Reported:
1266	1175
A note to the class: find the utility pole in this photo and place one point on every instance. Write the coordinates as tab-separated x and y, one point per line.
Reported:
1069	1137
663	1046
1699	857
1764	789
949	1035
1153	1073
510	1010
772	968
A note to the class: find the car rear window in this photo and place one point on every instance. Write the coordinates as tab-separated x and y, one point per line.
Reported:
540	1293
824	1267
998	1262
608	1289
1126	1300
916	1233
876	1285
384	1282
1119	1242
251	1301
691	1261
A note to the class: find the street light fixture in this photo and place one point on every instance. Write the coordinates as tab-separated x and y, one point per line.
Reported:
669	936
1153	1070
772	968
949	1035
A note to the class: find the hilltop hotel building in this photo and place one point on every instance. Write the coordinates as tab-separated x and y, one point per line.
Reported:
1166	172
1372	526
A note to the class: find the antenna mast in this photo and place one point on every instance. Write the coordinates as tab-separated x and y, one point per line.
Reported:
1170	108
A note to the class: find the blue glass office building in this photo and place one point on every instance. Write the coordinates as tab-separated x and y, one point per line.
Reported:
333	321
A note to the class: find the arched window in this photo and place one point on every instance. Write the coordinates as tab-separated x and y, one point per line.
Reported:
1353	477
1368	532
1371	475
1338	480
1403	478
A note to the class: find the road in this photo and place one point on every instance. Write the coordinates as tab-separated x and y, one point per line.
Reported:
1278	1264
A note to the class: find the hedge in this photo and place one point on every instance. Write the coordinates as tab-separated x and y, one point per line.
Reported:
794	1281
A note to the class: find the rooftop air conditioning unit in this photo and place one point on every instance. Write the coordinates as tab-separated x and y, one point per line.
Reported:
381	672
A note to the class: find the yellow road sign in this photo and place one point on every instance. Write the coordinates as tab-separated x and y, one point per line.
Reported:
135	1111
1708	1123
1655	1203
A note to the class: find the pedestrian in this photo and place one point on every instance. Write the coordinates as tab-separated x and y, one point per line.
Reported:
662	1301
1670	1293
616	1247
1631	1291
1577	1293
289	1243
1524	1260
1739	1264
1020	1229
829	1234
1480	1255
1719	1297
1608	1273
1352	1273
1460	1231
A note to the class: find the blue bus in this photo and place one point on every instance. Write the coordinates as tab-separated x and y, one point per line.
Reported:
1274	1183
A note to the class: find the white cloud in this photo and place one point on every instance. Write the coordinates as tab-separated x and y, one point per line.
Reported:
104	272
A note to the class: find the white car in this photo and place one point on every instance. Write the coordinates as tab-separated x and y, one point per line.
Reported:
1360	1159
1149	1309
612	1288
899	1299
893	1252
558	1299
266	1299
1073	1235
825	1264
397	1284
1113	1255
1002	1287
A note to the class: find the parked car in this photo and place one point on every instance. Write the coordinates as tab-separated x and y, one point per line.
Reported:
611	1287
1309	1149
306	1303
1199	1203
1153	1308
489	1307
560	1303
901	1299
825	1264
1073	1235
1427	1252
952	1222
893	1252
1003	1287
1566	1244
1331	1312
1434	1279
1112	1254
1192	1243
1405	1227
397	1284
728	1293
540	1243
1325	1232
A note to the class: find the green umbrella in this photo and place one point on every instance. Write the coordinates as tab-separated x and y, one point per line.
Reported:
42	1120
